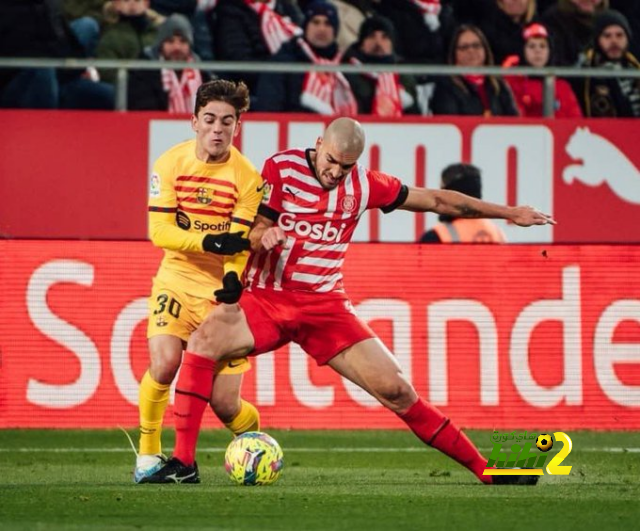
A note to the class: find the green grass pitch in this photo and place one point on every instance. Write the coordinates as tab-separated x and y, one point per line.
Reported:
332	480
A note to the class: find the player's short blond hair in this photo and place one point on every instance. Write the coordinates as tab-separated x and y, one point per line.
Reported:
234	93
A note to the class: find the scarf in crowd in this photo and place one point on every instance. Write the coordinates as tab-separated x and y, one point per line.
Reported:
387	92
182	92
326	93
276	29
628	87
430	10
477	80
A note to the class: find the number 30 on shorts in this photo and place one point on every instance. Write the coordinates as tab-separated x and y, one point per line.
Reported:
167	304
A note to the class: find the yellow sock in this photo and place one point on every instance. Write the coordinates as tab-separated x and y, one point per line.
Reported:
248	419
153	400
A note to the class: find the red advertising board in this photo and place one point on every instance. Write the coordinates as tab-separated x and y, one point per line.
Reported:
84	175
509	337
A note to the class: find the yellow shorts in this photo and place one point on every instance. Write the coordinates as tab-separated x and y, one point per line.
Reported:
174	313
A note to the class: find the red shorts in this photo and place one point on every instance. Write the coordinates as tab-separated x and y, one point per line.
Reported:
323	324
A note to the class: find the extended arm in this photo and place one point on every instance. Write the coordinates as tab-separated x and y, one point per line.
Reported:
460	205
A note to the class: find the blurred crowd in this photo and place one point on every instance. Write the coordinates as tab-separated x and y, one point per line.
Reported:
509	33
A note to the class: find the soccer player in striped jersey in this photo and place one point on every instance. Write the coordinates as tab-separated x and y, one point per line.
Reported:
312	202
203	198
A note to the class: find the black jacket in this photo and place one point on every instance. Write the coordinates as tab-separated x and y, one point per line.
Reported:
145	91
457	96
281	92
603	97
571	33
504	35
169	7
36	28
364	87
415	42
237	35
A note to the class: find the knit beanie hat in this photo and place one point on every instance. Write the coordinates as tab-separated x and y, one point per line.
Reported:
176	24
320	7
611	17
376	23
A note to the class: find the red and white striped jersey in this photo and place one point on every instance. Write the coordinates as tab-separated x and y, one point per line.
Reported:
318	223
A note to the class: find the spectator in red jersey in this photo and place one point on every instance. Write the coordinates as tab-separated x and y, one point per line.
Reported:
472	94
528	90
295	292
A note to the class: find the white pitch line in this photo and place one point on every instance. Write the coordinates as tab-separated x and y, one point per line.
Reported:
609	450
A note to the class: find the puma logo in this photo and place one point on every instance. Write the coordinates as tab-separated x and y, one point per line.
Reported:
601	162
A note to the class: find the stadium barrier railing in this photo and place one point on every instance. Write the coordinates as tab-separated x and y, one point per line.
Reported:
124	66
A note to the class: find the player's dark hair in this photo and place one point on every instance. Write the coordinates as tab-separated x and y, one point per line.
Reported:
234	93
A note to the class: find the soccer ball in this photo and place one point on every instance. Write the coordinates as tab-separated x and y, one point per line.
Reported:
253	458
544	442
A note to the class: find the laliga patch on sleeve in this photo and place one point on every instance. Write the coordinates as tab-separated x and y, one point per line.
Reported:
154	185
266	194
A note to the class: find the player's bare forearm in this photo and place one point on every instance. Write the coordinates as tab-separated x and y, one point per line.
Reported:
455	204
459	205
265	235
255	237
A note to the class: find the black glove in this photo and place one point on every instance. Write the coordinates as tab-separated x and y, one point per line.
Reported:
231	290
226	243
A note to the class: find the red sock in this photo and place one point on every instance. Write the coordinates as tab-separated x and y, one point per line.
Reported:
436	430
193	392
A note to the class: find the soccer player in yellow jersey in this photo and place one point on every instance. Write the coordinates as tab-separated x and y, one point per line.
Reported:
203	197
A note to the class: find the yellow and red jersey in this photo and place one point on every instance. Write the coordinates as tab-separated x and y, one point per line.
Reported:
189	198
